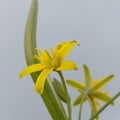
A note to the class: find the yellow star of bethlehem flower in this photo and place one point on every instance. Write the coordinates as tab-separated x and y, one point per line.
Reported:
91	89
51	62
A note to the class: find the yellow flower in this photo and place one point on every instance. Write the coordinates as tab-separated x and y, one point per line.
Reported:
91	89
51	62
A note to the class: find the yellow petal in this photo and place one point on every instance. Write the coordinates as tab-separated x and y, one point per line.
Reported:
102	82
64	48
75	84
39	86
87	76
60	46
78	100
30	69
102	96
67	65
67	47
94	83
94	106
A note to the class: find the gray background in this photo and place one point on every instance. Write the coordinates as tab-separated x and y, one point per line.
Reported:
94	23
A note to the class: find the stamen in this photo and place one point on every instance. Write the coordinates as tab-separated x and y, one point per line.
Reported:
36	57
38	50
47	53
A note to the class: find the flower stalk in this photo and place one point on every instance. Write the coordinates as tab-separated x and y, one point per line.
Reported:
80	109
67	95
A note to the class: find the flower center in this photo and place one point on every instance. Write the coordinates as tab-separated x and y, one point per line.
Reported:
54	63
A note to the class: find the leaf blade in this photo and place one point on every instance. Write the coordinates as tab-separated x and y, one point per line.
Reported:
55	109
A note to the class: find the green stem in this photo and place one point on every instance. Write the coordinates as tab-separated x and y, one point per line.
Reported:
67	95
80	110
106	105
89	100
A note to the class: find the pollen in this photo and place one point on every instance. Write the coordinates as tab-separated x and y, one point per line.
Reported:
59	46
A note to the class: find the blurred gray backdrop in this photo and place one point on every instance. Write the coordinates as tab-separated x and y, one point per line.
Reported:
94	23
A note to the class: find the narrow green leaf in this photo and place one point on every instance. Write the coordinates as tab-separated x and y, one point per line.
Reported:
87	76
30	33
58	87
53	105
